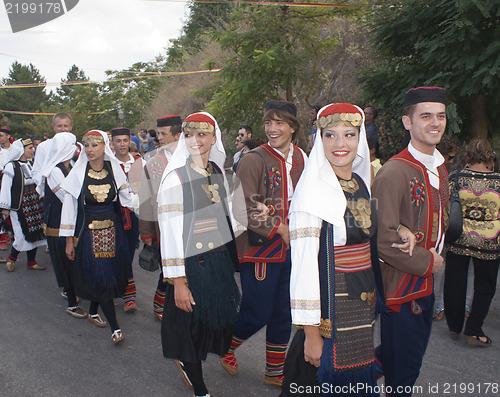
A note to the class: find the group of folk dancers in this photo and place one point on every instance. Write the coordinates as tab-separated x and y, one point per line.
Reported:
311	247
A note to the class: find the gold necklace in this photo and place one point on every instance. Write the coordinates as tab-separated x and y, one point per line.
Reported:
212	192
350	186
100	192
99	175
202	171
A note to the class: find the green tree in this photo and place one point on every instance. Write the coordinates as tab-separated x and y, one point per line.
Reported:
129	91
453	44
274	52
31	99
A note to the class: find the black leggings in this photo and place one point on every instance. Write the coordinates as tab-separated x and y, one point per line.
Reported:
31	254
108	308
455	286
70	294
195	375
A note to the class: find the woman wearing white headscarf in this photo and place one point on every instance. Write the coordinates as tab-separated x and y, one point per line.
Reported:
198	251
20	201
95	188
335	271
56	169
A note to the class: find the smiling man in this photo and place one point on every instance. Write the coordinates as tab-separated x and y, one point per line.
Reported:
267	174
411	189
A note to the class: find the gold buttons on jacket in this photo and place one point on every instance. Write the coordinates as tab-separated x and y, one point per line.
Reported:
199	245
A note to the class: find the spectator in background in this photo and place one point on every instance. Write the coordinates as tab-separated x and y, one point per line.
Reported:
36	141
313	113
134	140
133	149
147	142
374	155
370	116
448	147
244	133
5	138
478	186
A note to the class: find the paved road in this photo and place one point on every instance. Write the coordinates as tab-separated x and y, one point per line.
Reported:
45	352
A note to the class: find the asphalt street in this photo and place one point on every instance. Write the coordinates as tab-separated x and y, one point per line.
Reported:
46	352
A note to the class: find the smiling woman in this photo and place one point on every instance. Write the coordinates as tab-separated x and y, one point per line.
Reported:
198	251
332	235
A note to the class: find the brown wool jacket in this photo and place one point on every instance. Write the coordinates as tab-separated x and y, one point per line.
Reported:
403	195
250	188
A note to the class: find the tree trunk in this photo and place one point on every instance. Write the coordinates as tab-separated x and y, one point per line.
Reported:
479	125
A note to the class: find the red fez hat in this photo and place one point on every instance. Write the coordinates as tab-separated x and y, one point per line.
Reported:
282	105
425	94
167	121
120	131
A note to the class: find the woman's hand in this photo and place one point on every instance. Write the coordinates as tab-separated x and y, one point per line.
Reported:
182	295
408	238
6	213
70	248
313	345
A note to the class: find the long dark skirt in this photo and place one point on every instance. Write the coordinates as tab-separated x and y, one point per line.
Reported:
101	278
209	328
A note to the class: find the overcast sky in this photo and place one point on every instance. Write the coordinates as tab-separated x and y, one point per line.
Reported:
96	35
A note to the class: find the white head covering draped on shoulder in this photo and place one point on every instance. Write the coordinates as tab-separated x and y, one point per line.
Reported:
181	153
74	181
16	150
62	148
318	191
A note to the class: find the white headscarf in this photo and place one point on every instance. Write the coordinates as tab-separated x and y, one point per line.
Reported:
62	148
16	150
318	191
74	181
181	153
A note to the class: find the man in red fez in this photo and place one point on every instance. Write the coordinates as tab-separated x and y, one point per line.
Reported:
169	132
411	190
120	138
267	174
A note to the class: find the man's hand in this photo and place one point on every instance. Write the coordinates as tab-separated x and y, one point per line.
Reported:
284	233
148	241
438	261
263	213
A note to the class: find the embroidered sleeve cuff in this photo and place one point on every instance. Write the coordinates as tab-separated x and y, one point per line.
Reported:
274	230
66	230
173	267
148	237
170	208
305	232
